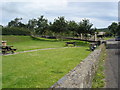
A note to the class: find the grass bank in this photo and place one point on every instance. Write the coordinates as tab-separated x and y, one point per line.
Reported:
98	81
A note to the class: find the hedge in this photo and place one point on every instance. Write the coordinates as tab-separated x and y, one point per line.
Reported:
15	31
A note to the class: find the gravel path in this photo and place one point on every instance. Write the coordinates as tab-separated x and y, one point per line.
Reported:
37	50
111	64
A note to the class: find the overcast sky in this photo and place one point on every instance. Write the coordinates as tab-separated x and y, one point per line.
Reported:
101	14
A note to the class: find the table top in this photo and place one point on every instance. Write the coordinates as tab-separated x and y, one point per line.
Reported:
6	46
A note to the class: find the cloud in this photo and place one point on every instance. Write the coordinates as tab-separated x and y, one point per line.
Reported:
100	13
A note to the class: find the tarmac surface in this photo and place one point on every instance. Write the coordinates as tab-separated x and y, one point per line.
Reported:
112	71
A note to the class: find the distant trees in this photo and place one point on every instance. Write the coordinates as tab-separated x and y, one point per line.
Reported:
73	27
113	28
40	26
15	31
16	23
84	27
32	25
118	29
15	27
59	26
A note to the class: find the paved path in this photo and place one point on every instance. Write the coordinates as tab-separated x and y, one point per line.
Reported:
111	64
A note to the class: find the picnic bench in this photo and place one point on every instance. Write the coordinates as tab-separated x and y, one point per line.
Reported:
67	43
7	49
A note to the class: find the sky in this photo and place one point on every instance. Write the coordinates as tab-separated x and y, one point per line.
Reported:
101	13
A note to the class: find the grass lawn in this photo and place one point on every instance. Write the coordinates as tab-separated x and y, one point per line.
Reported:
23	43
107	38
40	69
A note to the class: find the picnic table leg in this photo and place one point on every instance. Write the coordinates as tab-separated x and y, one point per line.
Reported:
4	52
74	44
66	44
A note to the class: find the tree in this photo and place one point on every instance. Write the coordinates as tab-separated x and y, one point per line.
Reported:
73	27
84	27
15	23
59	25
42	25
118	29
113	28
32	25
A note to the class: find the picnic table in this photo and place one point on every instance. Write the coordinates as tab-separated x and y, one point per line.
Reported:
7	49
67	43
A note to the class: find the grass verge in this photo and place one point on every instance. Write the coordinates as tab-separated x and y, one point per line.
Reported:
98	81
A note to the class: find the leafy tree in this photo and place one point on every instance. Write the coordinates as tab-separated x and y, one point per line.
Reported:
16	23
118	29
42	25
32	25
113	28
59	25
84	27
72	26
15	27
93	30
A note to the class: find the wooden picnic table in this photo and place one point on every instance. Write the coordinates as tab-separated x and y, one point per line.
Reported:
67	43
7	48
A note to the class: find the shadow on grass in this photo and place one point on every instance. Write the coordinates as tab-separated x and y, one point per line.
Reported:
44	39
88	50
78	43
82	43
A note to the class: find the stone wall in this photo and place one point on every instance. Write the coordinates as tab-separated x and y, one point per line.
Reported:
82	75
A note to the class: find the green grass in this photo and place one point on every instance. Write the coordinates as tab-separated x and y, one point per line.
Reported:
40	69
23	43
98	81
107	38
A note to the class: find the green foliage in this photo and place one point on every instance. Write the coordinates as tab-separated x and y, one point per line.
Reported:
15	31
73	27
98	81
113	28
118	29
59	25
16	23
84	27
107	38
40	26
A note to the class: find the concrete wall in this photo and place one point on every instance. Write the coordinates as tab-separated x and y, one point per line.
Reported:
82	75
